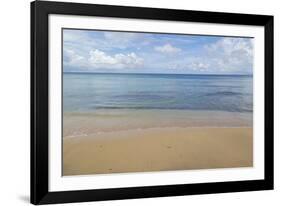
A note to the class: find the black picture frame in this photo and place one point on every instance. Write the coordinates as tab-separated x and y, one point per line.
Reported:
40	112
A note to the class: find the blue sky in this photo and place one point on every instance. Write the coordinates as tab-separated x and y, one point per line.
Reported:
129	52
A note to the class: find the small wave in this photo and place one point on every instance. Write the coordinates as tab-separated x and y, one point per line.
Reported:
224	93
225	109
140	96
132	107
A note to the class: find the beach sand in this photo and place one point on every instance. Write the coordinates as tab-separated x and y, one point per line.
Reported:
157	149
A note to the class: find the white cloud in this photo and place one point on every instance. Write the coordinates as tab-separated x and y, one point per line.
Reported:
227	55
98	59
231	54
167	48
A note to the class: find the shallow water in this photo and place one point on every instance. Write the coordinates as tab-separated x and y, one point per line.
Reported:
85	92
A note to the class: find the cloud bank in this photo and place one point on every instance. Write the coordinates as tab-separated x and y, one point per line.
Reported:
99	51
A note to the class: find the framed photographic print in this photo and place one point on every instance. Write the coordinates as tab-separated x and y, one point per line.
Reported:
131	102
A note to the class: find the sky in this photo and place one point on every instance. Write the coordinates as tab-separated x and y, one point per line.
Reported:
131	52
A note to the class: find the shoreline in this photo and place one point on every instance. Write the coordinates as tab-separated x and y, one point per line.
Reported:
151	128
106	120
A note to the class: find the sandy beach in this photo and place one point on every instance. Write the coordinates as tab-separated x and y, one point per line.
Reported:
158	149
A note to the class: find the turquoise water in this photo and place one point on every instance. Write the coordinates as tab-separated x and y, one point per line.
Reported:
84	92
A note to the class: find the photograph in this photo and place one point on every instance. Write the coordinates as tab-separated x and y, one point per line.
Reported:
131	102
154	102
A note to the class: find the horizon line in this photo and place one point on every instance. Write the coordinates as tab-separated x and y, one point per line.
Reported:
87	72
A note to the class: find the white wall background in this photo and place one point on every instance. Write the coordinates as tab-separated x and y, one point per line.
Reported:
14	102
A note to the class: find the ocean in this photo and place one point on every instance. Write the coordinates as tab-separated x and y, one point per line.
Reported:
86	92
